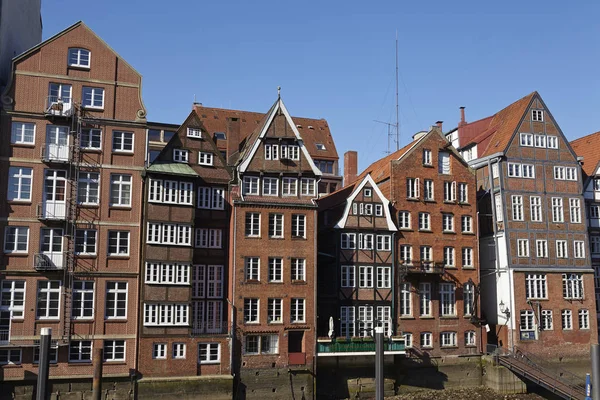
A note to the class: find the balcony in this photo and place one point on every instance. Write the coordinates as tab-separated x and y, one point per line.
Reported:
423	267
48	261
358	346
59	153
204	328
52	211
58	107
296	358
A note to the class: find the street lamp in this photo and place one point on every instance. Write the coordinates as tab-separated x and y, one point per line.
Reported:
504	309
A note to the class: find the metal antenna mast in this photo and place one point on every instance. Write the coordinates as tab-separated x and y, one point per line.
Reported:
397	107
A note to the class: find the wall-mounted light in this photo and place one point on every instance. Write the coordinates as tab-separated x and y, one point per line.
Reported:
504	309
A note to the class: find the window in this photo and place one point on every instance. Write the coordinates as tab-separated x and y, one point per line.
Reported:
405	300
426	257
326	167
83	300
274	311
561	249
552	142
408	340
123	142
16	239
298	269
428	193
289	187
22	133
205	158
523	247
365	276
253	224
579	248
120	190
80	351
448	222
194	133
348	276
92	97
572	286
425	299
463	193
307	187
404	220
169	274
467	257
448	339
180	156
209	238
575	210
527	139
346	321
514	170
412	188
85	241
263	344
542	248
468	297
250	185
174	314
546	321
159	351
179	351
251	311
495	171
114	350
594	211
467	224
211	198
19	183
271	152
449	191
290	151
536	208
567	319
565	173
276	225
498	207
584	319
12	298
447	299
384	242
426	340
426	157
275	269
88	188
535	286
79	58
365	241
53	355
48	299
527	321
365	321
118	243
297	310
444	162
424	221
91	139
348	241
449	257
298	226
528	171
537	115
270	186
406	256
470	339
368	209
252	268
540	141
595	244
517	208
320	146
384	277
116	300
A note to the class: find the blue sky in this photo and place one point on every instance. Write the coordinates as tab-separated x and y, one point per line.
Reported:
335	60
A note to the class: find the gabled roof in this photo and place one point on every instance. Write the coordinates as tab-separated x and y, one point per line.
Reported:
255	139
381	169
588	147
313	131
493	134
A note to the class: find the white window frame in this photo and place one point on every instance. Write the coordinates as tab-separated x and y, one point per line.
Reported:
19	178
541	248
535	203
194	133
20	244
205	158
348	276
79	54
365	276
298	310
270	186
93	92
536	286
19	133
179	350
251	185
121	185
252	268
522	247
181	156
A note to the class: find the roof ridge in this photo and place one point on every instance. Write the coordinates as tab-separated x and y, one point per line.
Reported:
252	112
583	137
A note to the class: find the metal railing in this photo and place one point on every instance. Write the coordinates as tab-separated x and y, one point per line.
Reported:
56	153
56	212
351	346
58	106
45	262
423	267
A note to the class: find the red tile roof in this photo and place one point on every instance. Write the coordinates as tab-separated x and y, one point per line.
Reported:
588	147
312	131
493	134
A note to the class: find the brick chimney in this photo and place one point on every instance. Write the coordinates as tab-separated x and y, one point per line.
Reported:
233	139
350	166
439	124
462	117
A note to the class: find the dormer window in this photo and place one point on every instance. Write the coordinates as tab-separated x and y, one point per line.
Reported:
180	156
79	58
320	146
537	115
205	158
220	136
194	133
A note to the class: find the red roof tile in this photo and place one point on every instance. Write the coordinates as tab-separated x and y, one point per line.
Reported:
588	147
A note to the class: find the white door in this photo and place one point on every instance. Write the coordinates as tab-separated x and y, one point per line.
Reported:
52	247
55	186
59	99
57	143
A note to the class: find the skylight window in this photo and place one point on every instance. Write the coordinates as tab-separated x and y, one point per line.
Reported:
320	146
220	136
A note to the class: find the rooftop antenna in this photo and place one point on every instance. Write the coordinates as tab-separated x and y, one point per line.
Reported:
397	124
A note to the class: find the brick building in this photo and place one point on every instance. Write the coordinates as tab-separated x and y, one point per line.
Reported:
75	131
183	330
588	149
536	271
